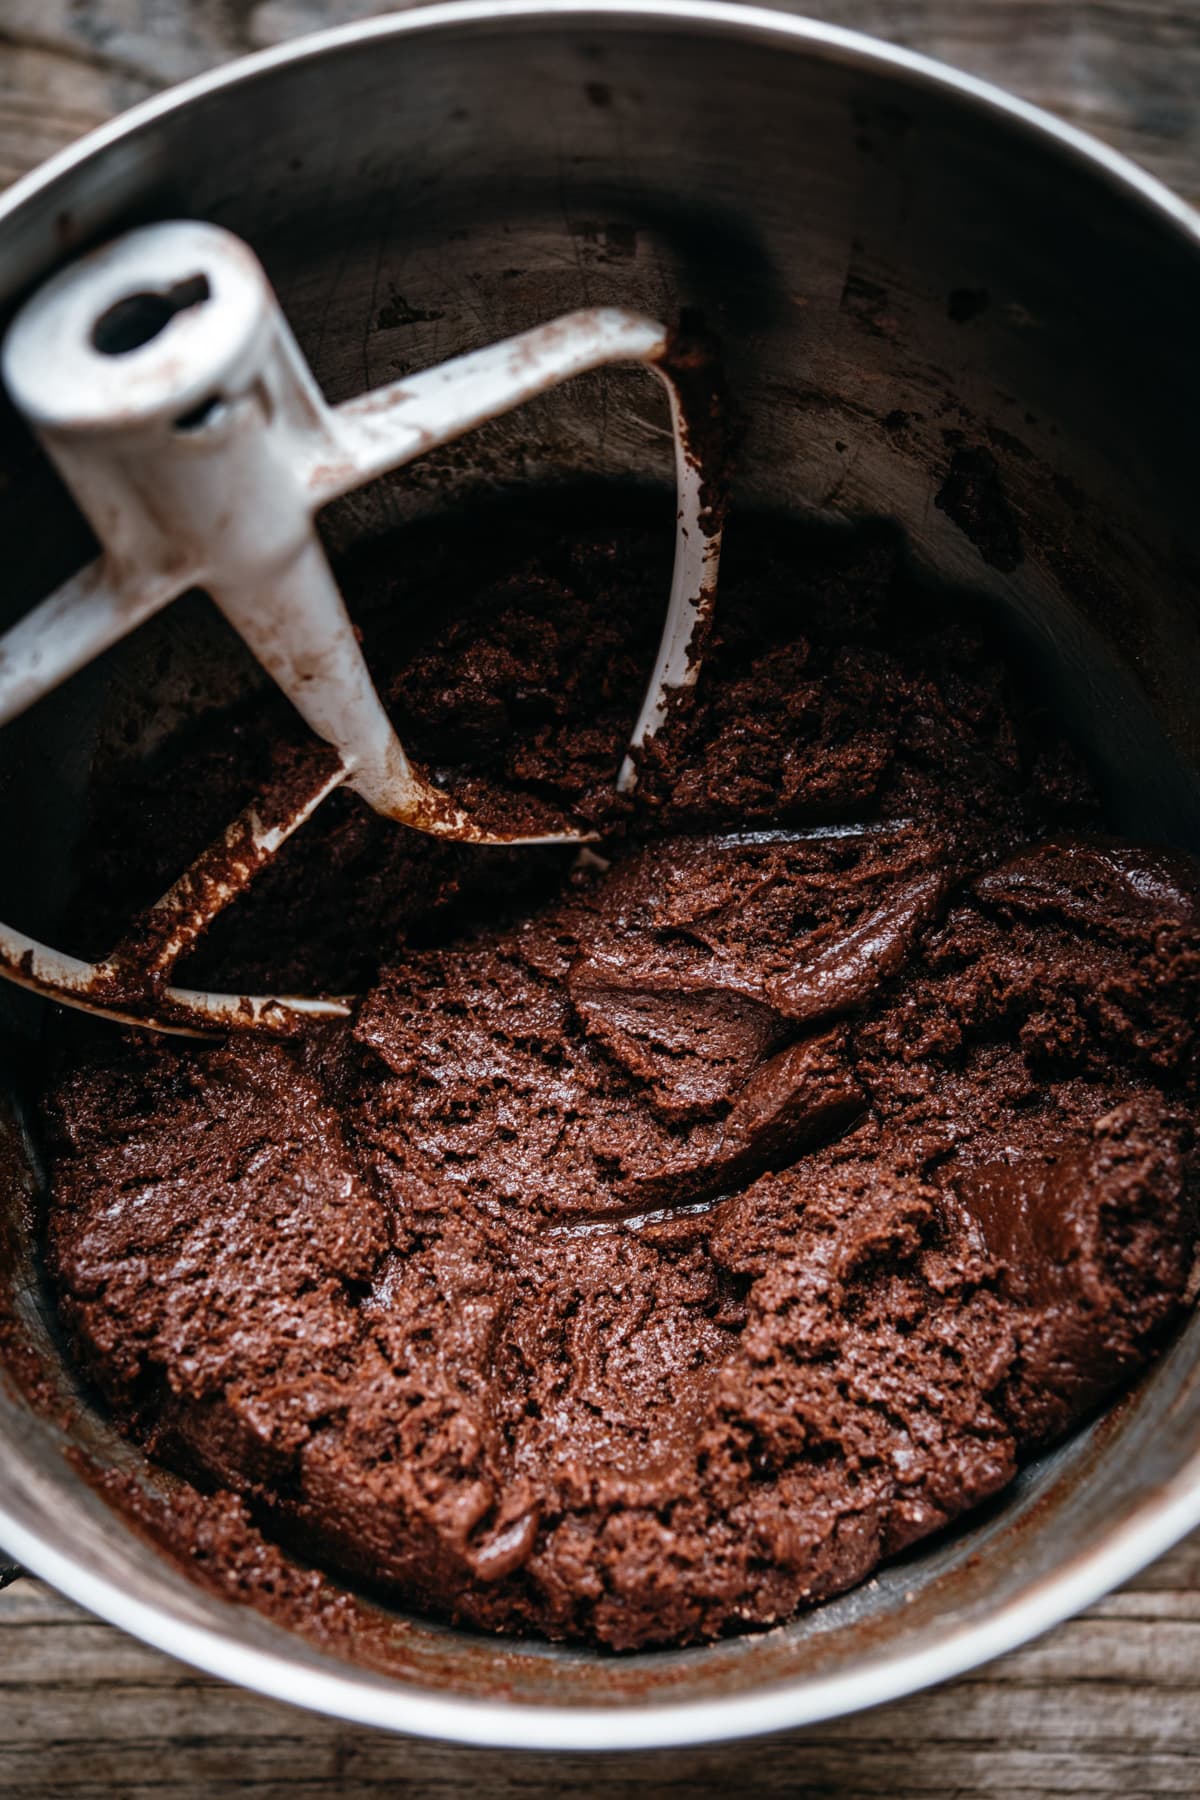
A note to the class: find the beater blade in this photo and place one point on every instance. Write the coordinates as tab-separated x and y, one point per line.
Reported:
163	381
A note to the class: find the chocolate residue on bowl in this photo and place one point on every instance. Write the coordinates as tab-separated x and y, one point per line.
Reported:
973	496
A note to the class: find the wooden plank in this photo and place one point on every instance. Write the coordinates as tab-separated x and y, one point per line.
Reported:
1089	1710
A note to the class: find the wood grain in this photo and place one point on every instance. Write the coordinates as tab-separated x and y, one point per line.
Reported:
1108	1704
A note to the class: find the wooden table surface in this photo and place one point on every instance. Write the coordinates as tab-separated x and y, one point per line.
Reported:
1108	1704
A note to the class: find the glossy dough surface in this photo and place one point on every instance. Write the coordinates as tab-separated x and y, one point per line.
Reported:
669	1238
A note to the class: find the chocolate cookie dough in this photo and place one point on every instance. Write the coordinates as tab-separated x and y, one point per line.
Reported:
677	1230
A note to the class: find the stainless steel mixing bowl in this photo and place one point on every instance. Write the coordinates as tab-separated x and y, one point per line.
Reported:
937	304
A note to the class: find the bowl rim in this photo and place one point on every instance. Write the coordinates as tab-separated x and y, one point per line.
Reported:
386	1702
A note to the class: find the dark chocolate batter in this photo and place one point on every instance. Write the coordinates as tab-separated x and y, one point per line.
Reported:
672	1235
